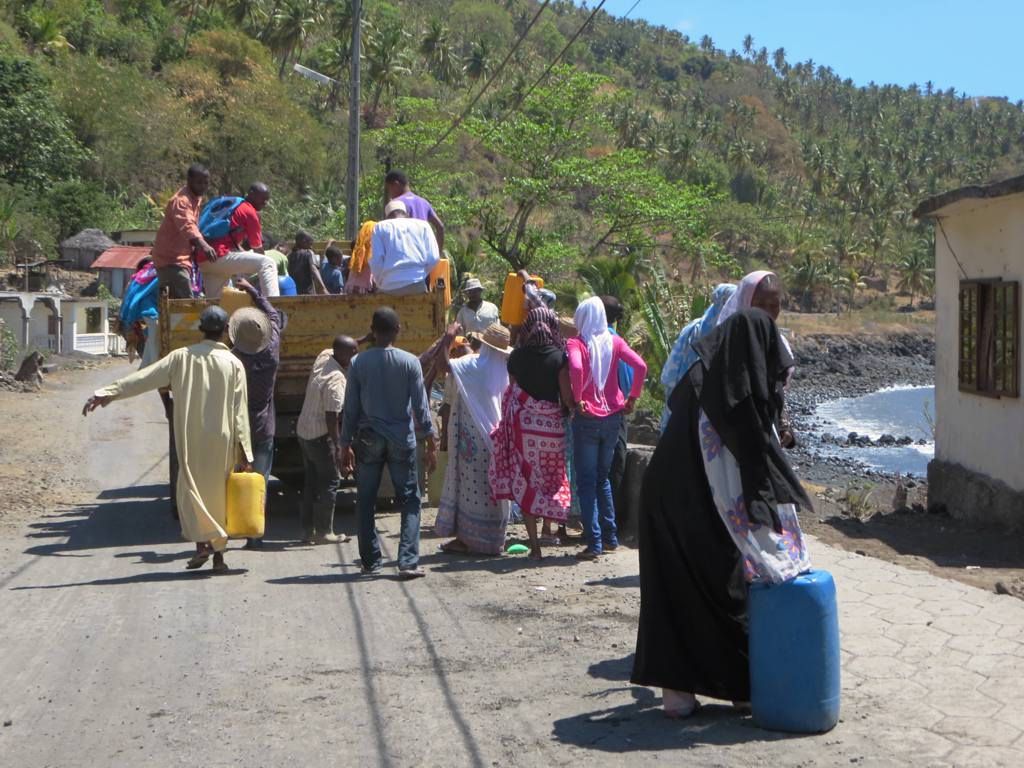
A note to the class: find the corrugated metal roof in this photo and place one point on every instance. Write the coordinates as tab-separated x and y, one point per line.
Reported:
121	257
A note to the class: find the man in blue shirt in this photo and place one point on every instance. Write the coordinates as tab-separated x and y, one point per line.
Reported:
331	270
385	410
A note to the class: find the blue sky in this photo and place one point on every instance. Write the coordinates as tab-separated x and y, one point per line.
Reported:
972	47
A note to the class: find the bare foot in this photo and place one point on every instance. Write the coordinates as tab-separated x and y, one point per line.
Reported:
535	554
454	547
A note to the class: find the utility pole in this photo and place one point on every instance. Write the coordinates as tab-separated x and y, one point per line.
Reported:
352	182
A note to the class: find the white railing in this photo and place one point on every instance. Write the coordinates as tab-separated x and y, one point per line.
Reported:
91	343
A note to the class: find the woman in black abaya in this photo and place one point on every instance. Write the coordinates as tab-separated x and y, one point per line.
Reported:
718	511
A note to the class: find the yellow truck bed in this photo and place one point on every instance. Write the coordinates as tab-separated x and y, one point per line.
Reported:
312	324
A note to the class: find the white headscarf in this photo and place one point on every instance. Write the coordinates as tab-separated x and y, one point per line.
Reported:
592	326
744	295
482	380
742	299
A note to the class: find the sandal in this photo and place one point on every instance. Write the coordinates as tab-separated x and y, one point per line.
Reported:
198	561
587	554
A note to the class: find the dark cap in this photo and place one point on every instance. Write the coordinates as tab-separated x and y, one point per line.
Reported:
213	320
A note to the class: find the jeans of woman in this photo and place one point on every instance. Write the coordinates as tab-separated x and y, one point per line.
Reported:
594	440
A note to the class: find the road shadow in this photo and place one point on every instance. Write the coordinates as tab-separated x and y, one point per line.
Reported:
142	578
942	540
136	522
153	491
441	562
623	582
641	725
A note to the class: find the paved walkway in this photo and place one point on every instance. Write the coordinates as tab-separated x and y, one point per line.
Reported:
942	661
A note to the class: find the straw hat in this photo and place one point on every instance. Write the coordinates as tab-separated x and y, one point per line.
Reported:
567	327
497	337
249	330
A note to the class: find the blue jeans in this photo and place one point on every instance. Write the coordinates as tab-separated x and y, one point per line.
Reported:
262	461
372	452
594	442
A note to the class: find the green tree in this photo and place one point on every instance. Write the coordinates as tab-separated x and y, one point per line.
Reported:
37	147
292	23
438	52
387	62
916	274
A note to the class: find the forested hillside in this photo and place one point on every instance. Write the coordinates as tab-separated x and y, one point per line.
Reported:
641	162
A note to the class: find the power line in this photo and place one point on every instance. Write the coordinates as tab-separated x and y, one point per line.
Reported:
458	120
518	102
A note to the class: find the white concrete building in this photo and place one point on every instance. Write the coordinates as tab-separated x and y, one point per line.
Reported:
978	471
59	323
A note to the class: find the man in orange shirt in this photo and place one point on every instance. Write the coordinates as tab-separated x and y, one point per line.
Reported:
240	252
179	235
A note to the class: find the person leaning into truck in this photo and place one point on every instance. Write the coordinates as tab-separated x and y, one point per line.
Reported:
240	252
385	410
255	334
404	252
317	430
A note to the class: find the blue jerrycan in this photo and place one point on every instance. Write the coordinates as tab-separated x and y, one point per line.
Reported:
794	654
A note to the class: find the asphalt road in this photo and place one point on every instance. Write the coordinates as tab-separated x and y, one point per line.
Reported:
111	654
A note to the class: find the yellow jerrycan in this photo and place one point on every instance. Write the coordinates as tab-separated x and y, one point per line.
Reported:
513	301
233	298
246	502
442	271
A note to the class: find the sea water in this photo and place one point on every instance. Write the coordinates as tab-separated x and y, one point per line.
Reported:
897	411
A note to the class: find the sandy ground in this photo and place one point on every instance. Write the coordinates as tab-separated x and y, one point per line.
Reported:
114	655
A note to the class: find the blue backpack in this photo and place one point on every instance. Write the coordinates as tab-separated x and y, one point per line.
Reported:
215	219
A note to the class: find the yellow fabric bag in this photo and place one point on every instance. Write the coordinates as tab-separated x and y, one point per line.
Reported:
246	505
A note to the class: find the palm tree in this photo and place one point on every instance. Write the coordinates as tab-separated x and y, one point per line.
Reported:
478	63
748	44
387	61
612	276
806	276
916	272
293	22
436	49
779	58
247	14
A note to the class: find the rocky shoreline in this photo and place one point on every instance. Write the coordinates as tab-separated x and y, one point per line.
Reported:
832	366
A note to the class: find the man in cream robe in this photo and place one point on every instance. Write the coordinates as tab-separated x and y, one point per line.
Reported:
211	424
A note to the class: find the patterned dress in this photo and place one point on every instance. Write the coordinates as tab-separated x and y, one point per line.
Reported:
528	465
467	510
767	555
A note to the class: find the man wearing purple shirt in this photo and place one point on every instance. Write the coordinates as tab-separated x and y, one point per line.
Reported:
396	184
255	334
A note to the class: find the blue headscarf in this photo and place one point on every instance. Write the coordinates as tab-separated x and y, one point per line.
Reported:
683	354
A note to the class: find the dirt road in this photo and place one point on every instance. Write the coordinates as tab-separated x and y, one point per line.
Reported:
114	655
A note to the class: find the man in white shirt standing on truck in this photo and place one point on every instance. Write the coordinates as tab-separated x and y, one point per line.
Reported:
404	252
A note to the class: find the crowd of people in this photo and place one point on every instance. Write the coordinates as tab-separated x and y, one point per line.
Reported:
532	423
